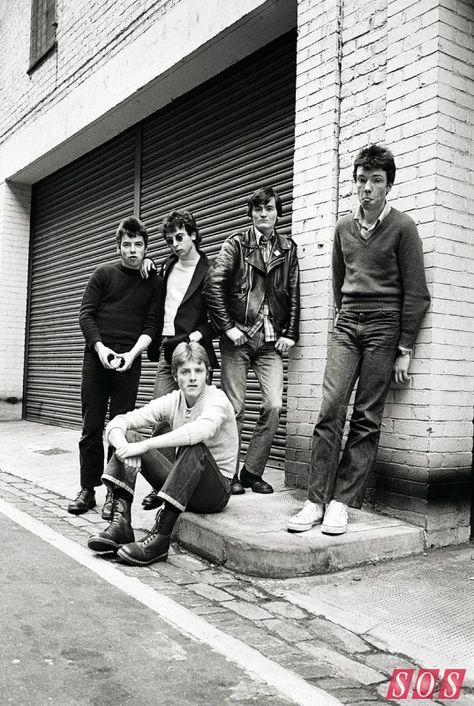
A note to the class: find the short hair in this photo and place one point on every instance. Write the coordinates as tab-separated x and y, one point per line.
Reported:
132	227
376	157
263	196
180	219
188	351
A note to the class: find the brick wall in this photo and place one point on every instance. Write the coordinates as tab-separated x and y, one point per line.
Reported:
14	221
88	34
315	198
406	80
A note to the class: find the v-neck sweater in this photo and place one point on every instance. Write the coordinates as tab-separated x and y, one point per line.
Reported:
383	272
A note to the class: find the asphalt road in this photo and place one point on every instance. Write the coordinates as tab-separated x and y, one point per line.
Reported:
69	637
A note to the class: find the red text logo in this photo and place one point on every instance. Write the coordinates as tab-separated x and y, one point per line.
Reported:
410	683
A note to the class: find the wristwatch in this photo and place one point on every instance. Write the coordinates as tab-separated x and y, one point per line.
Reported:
404	352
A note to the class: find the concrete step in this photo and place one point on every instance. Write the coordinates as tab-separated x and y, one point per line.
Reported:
250	536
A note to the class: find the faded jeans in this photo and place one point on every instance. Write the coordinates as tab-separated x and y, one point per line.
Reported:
364	347
267	365
192	482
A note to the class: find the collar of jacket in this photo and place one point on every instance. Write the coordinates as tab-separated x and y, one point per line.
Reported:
253	255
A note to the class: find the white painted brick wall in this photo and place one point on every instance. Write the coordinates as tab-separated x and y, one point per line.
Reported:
406	70
14	223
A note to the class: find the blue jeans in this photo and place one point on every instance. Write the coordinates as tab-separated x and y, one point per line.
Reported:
267	365
192	482
364	346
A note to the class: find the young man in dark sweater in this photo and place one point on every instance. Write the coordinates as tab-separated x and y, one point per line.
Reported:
381	297
119	317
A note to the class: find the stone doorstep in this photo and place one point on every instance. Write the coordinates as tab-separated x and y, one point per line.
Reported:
250	537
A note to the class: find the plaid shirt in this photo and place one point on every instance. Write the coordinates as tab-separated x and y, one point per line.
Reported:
263	316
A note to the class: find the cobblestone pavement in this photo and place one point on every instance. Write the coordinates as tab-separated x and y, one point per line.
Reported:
251	610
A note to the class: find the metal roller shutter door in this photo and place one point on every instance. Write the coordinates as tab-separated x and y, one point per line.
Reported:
75	214
208	150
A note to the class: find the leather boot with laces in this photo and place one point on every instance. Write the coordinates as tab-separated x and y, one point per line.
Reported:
84	501
154	547
119	531
107	507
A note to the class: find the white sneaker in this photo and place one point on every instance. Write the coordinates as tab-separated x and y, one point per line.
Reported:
335	518
310	514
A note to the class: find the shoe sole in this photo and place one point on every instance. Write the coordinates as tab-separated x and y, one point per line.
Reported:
101	545
151	507
333	530
261	492
136	562
81	512
302	528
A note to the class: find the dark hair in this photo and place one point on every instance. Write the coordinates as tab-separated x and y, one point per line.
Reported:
376	157
180	219
263	196
132	227
188	351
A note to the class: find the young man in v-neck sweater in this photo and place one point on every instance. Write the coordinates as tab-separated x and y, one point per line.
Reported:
381	297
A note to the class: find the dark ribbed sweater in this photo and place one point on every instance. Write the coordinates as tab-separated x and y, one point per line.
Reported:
384	272
118	306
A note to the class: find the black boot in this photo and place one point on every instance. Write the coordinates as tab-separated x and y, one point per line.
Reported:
84	501
151	501
119	531
154	547
107	507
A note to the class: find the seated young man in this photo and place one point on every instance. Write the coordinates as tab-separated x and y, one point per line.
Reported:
204	433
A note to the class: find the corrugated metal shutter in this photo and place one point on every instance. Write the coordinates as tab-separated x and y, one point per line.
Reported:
208	150
75	214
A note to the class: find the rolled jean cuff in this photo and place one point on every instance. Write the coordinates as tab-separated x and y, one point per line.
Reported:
172	501
115	473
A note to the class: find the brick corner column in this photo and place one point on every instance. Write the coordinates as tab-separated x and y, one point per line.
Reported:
315	195
15	201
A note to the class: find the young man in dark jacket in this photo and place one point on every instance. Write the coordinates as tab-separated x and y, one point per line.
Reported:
252	293
381	297
119	317
184	316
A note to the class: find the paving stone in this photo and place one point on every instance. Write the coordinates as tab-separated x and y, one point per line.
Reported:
332	683
211	592
188	563
358	696
289	631
216	577
386	663
285	610
344	665
76	521
337	636
245	594
207	609
248	610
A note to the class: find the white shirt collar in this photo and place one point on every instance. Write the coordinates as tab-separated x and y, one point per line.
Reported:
357	214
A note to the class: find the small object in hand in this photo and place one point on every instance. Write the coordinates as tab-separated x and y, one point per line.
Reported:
116	361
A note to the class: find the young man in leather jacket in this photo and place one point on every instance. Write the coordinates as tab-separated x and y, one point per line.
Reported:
252	294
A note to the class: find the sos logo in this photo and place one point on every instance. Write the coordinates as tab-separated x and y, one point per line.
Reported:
403	686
